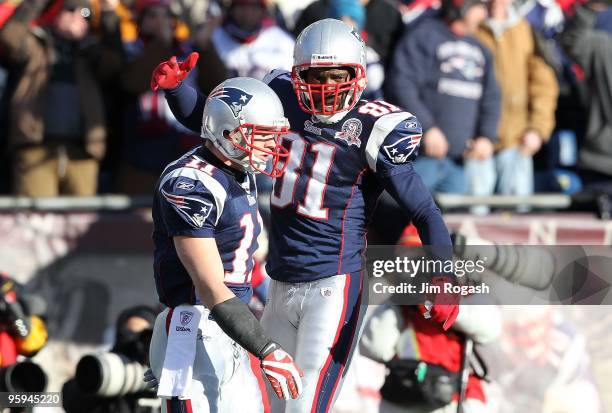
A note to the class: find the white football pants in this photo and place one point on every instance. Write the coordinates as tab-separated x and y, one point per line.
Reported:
223	380
318	323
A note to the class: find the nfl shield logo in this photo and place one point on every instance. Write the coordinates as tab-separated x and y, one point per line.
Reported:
186	317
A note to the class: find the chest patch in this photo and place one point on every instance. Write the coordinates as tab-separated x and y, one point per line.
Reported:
351	131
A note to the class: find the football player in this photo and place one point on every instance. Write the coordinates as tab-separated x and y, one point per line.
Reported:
343	152
205	231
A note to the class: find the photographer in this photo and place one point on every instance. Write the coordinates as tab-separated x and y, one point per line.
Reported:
399	337
426	362
112	382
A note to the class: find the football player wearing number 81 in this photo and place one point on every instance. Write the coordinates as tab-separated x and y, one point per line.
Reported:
205	231
343	152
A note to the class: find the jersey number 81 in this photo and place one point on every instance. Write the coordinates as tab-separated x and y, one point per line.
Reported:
312	204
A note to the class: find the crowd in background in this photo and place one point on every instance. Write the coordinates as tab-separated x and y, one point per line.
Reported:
514	96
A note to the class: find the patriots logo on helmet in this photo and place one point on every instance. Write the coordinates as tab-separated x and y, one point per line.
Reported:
401	150
193	209
233	97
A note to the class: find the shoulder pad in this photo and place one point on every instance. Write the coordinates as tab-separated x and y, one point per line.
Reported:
277	74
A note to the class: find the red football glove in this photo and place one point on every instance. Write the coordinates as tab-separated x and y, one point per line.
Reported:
169	74
442	308
284	375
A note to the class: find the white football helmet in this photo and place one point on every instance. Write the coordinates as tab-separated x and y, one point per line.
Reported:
329	43
237	112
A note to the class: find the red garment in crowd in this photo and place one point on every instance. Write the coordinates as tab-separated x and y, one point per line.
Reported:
445	348
8	349
431	342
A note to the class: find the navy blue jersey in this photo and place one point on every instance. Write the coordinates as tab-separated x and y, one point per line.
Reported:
198	196
335	174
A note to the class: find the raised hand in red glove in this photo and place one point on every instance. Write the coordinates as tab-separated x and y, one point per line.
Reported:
282	372
169	74
443	307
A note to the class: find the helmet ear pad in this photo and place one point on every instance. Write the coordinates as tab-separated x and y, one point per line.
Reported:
227	136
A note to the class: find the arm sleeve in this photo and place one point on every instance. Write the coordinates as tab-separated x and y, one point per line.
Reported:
406	77
543	93
490	103
391	147
237	321
414	198
15	37
189	208
187	105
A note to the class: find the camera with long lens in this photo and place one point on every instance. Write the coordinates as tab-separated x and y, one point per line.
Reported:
527	265
110	375
23	377
115	373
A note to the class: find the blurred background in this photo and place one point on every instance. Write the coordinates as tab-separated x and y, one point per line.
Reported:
517	149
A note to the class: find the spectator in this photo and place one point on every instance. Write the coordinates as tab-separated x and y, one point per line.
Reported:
249	42
529	96
414	11
195	13
547	19
444	76
291	10
57	126
590	44
152	136
382	27
354	13
545	16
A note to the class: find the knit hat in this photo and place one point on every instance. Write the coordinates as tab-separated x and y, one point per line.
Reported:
348	8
